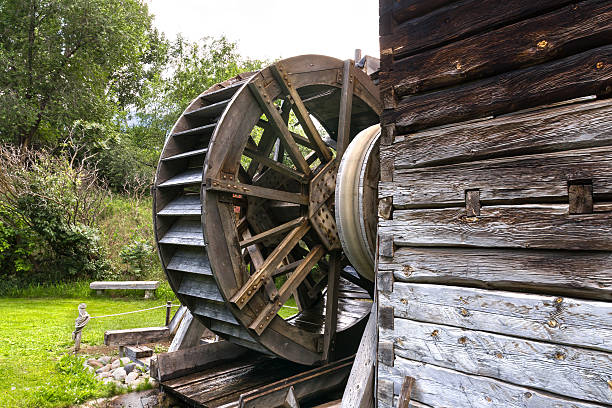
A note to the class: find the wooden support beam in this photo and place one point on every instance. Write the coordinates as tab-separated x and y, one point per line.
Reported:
404	397
346	107
257	89
179	363
257	279
268	313
282	77
272	232
331	309
359	390
275	165
299	139
189	333
256	191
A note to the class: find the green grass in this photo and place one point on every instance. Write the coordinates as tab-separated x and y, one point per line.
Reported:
36	333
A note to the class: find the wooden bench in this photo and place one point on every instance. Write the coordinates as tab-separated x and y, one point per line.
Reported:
148	286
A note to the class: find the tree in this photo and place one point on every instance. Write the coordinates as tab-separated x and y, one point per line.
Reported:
67	60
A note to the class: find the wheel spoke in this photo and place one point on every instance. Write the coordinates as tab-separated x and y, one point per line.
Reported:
274	165
302	114
256	191
279	125
346	107
272	232
299	139
257	279
297	277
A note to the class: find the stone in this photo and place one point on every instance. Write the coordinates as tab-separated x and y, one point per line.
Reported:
104	359
103	369
107	380
125	360
94	363
115	364
131	377
119	374
105	374
129	367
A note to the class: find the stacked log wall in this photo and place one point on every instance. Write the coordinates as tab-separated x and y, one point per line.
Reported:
494	267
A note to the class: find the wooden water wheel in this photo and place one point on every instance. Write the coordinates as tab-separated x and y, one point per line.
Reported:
244	204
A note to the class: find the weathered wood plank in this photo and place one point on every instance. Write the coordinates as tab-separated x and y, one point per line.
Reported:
124	285
528	226
359	390
553	129
553	271
583	74
555	319
183	205
542	176
192	260
441	387
575	372
201	286
184	232
255	191
189	333
403	10
136	336
534	41
459	20
190	176
182	362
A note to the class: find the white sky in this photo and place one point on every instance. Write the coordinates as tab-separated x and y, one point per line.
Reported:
276	28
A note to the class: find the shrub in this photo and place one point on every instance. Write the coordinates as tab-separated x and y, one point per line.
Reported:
49	205
137	257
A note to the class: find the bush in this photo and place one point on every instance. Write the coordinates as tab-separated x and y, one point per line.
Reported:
137	257
49	205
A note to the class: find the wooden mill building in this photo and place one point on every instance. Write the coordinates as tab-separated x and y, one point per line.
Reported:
494	267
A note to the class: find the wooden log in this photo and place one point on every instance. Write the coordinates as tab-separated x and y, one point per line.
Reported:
584	273
403	10
554	319
539	39
136	336
582	74
460	20
543	177
179	363
528	226
137	352
441	387
359	390
549	129
575	372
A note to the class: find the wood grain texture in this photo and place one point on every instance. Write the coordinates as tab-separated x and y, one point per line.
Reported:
528	226
579	75
539	177
554	319
550	129
575	372
459	20
587	273
359	390
403	10
441	387
571	29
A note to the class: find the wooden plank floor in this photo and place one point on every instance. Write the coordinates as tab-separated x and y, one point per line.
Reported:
224	383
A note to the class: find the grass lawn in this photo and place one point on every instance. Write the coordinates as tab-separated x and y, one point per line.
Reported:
35	333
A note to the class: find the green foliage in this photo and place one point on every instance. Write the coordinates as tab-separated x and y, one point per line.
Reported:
73	385
68	60
137	256
46	218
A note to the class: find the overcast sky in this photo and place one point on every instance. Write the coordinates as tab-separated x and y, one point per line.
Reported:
276	28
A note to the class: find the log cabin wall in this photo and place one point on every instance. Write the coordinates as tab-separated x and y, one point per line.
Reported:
494	269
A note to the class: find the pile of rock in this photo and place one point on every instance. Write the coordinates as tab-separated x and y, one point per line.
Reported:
121	371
